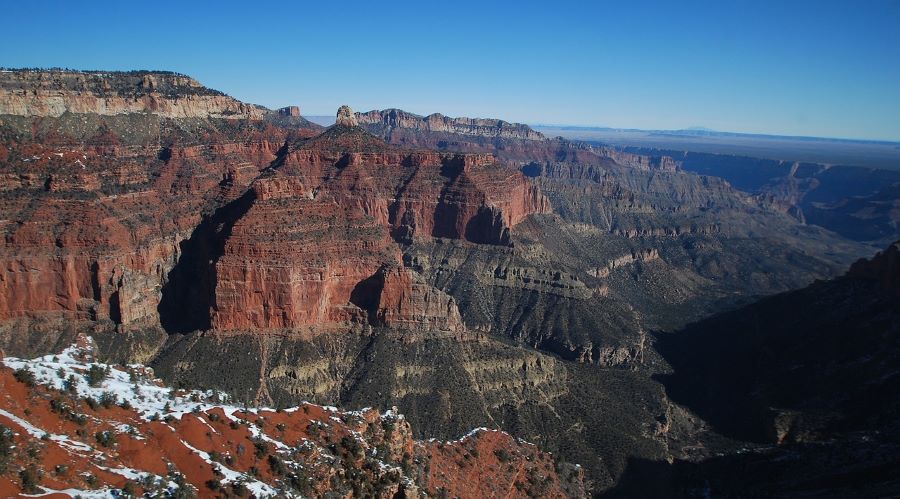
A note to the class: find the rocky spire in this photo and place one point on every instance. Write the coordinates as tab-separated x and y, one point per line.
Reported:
346	117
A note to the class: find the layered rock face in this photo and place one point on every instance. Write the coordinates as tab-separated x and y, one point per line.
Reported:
406	300
291	111
512	143
855	202
396	118
52	93
96	206
292	260
325	219
96	236
297	242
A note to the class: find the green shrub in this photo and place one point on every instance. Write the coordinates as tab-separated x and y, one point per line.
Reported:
351	447
70	384
6	447
262	448
108	399
30	480
105	438
277	465
129	490
24	375
96	375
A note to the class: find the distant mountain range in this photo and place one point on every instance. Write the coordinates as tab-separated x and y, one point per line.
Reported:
692	131
697	131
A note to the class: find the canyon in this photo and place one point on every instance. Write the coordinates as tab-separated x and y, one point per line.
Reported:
471	272
858	203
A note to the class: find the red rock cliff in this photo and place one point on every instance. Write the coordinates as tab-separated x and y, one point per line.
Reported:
325	220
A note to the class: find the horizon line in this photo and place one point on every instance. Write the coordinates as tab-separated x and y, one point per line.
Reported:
530	124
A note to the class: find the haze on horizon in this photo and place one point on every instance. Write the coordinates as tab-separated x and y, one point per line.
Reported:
808	68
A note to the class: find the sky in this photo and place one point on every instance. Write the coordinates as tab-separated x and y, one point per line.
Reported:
814	68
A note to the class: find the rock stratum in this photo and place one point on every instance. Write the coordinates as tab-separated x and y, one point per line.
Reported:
397	118
171	95
470	272
858	203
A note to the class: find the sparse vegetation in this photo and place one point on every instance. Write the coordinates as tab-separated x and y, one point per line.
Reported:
30	479
277	466
108	399
261	448
350	448
70	384
503	455
96	375
6	447
24	375
106	438
129	489
239	489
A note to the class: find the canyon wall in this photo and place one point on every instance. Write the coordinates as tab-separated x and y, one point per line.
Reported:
52	93
328	218
396	118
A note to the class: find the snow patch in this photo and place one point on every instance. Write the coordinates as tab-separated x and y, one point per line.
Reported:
64	441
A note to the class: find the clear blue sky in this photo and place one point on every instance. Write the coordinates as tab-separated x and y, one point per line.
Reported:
823	68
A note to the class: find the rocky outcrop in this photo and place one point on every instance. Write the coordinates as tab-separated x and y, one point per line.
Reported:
407	301
146	439
346	117
480	127
512	143
105	247
647	255
290	111
53	93
640	161
883	268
